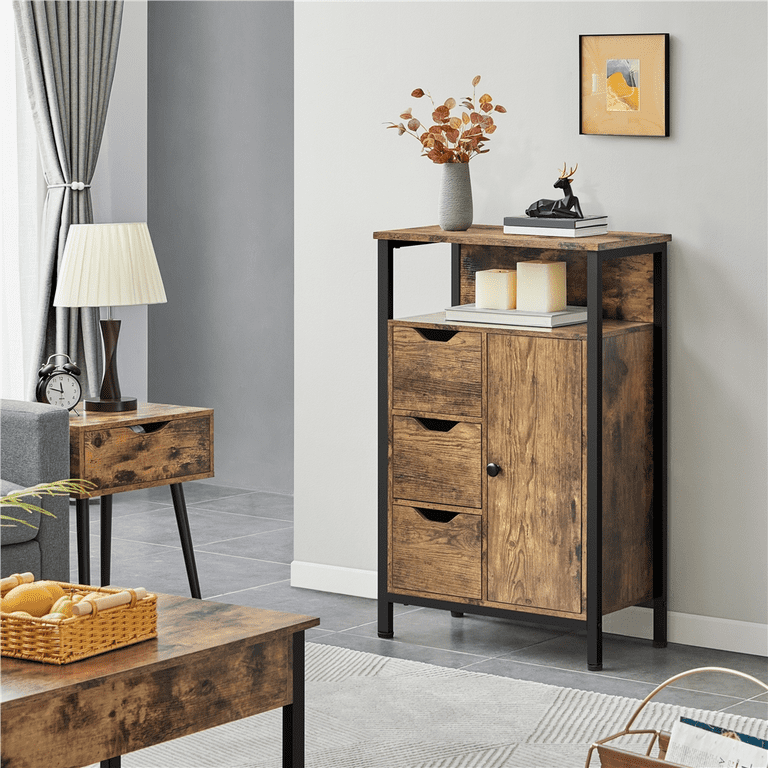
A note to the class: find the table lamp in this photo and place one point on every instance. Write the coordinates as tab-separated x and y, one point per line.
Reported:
106	265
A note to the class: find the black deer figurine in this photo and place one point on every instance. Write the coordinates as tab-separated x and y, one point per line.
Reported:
567	208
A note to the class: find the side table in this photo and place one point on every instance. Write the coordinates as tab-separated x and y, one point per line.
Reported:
151	446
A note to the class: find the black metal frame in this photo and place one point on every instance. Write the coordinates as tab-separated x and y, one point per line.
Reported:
667	120
105	535
294	713
594	613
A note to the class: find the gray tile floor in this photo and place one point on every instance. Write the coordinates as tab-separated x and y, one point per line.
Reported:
244	546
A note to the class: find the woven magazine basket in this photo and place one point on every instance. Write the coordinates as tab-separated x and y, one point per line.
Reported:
613	757
78	637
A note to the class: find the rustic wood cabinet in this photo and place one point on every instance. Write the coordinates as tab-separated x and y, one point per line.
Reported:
523	471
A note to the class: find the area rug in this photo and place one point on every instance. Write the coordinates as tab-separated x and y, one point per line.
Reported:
368	711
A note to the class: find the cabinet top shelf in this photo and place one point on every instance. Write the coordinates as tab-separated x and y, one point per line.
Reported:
485	234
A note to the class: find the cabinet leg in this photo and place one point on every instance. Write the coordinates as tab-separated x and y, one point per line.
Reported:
83	541
386	620
182	520
457	614
659	623
106	540
595	645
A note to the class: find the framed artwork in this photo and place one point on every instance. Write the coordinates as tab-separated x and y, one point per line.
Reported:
624	85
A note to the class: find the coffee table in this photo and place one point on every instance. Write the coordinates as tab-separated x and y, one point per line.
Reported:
211	663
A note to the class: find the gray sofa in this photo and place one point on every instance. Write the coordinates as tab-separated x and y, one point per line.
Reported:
34	448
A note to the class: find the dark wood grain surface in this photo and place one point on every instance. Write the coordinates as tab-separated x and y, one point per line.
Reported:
155	445
211	663
439	554
534	504
486	234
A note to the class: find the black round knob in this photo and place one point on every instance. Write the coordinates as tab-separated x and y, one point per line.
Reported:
493	469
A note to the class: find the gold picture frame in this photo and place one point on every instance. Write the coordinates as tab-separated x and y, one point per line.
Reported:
624	85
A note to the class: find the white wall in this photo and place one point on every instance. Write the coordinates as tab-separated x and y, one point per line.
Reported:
355	66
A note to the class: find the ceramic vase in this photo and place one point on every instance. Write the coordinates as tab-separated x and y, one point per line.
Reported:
455	202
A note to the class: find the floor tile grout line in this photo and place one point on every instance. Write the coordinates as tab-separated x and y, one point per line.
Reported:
202	551
246	536
247	589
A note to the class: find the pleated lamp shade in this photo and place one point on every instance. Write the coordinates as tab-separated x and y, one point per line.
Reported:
108	265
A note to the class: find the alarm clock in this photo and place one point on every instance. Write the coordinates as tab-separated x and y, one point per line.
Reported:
58	385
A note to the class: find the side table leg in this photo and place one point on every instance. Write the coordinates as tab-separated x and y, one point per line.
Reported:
113	762
182	520
106	539
83	541
293	714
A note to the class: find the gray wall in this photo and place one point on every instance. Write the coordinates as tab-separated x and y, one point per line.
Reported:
220	210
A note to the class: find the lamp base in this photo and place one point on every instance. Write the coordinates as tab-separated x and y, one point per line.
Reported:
111	406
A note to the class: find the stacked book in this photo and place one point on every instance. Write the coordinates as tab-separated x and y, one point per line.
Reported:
555	227
469	313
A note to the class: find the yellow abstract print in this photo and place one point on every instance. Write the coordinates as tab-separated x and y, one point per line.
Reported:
623	91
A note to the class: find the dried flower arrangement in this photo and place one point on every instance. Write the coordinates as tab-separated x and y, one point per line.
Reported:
453	139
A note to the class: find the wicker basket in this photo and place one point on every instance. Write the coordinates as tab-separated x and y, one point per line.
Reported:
78	637
613	757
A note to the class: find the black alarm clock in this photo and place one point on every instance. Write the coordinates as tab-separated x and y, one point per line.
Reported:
58	385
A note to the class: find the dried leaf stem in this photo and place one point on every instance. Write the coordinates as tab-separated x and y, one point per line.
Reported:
452	139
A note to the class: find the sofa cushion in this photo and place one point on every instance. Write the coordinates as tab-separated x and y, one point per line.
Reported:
12	532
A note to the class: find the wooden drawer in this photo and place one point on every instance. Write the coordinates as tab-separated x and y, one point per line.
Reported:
125	457
437	461
437	552
437	371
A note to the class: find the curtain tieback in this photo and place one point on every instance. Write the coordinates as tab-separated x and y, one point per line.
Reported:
75	186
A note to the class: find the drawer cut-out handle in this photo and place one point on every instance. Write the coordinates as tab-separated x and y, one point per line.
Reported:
436	515
436	425
141	429
436	334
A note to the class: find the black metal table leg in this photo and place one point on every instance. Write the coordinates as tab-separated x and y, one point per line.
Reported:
83	541
660	469
182	520
293	714
106	539
594	462
386	626
113	762
385	312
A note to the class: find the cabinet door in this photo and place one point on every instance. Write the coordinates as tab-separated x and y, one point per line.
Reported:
534	503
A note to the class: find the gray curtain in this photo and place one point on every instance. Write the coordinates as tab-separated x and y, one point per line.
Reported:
69	50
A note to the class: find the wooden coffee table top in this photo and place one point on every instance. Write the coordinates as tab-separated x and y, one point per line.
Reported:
185	627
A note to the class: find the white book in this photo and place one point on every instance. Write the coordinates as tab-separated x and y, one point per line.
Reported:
469	313
698	748
556	232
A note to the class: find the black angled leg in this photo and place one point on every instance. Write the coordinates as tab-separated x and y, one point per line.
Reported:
293	713
113	762
180	508
83	541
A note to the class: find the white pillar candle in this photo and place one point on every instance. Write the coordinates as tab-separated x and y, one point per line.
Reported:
495	289
541	286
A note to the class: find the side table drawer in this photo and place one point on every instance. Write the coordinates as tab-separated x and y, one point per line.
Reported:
121	457
437	552
437	371
437	461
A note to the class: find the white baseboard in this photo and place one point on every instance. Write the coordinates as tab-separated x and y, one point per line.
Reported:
334	578
689	629
683	628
